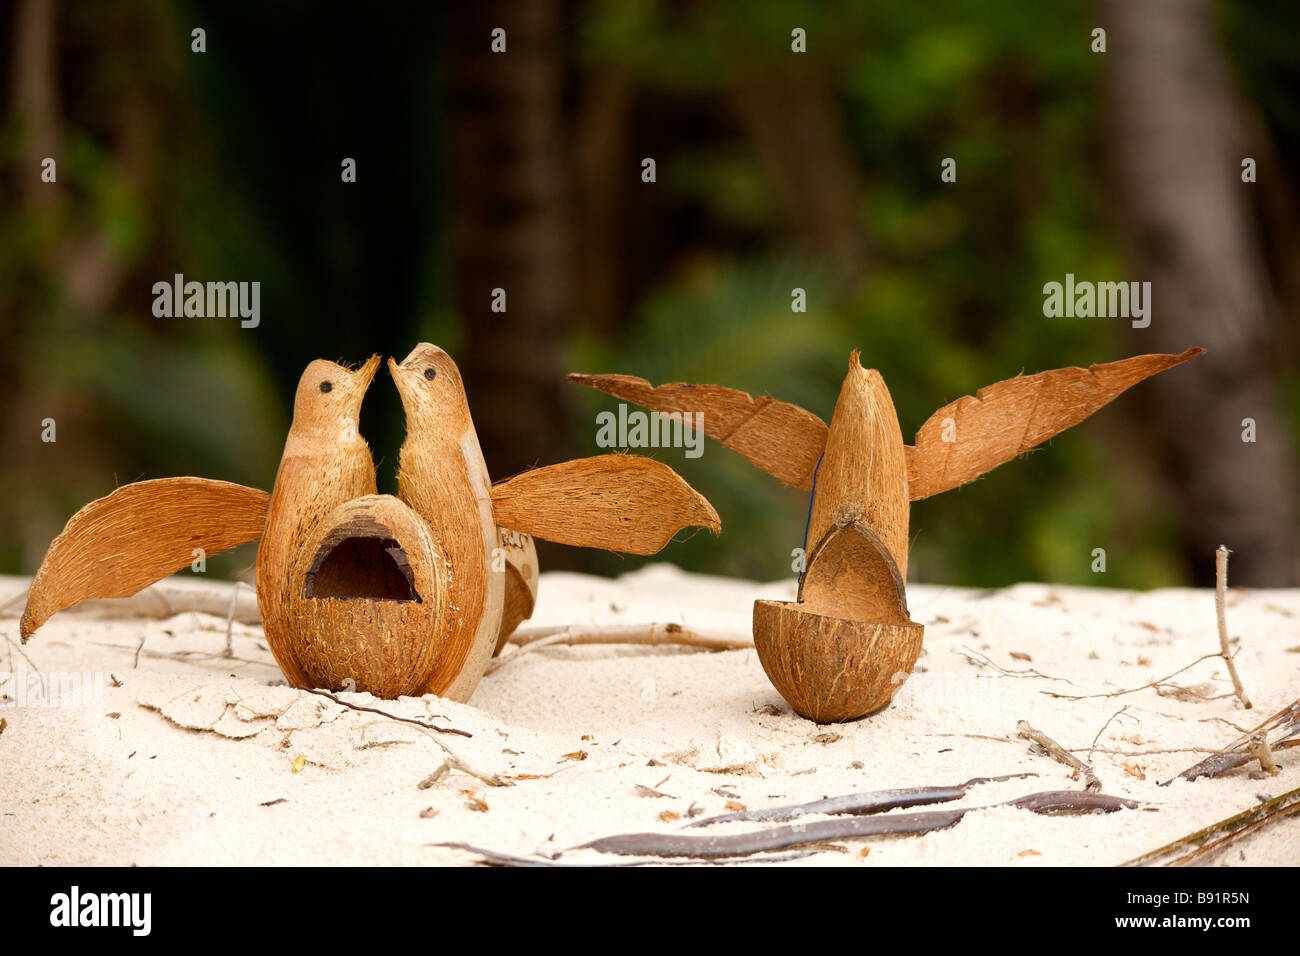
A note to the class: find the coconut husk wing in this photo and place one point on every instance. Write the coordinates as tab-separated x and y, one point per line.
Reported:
1009	418
142	532
989	429
618	502
783	440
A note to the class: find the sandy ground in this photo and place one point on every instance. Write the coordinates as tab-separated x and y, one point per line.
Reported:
214	761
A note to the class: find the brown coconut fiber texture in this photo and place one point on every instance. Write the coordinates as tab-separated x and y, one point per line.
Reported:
619	502
142	532
998	423
1009	418
859	515
440	474
783	440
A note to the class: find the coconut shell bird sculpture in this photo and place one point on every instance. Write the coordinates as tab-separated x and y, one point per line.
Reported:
401	595
845	646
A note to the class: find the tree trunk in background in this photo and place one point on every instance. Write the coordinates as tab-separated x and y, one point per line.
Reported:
790	117
1177	144
33	103
35	93
509	170
604	120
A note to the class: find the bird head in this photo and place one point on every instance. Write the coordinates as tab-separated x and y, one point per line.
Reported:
432	391
328	401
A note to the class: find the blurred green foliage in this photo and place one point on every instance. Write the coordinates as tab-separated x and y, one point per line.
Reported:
241	185
954	299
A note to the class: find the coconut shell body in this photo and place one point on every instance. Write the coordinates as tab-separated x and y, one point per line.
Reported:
832	669
368	600
848	644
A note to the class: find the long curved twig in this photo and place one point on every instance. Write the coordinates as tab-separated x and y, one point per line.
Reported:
535	638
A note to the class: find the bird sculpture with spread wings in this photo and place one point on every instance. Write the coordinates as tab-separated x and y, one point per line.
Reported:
846	645
396	595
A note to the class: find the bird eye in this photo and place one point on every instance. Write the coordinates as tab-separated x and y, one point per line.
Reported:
325	386
429	373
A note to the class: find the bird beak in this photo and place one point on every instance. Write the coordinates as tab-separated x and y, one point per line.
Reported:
366	373
361	379
412	365
403	378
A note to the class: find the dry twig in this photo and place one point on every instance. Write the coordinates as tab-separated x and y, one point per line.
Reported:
230	621
1221	585
167	598
1279	728
1060	755
453	760
1132	690
1093	749
23	653
982	660
1259	747
184	656
383	713
535	638
1203	841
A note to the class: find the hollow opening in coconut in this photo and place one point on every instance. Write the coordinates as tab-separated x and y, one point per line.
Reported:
371	566
851	575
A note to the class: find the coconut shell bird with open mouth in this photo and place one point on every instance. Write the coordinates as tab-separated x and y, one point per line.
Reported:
395	595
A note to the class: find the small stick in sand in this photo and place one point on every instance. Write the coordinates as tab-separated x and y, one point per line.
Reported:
1221	585
437	775
535	638
982	660
1246	830
230	621
169	597
1132	690
1117	713
1282	726
1259	747
1115	752
453	761
1060	754
186	656
22	653
383	713
1234	827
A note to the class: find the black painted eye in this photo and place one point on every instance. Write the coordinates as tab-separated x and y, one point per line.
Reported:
325	386
429	373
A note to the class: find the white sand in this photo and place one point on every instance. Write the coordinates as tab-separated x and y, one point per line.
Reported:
175	765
